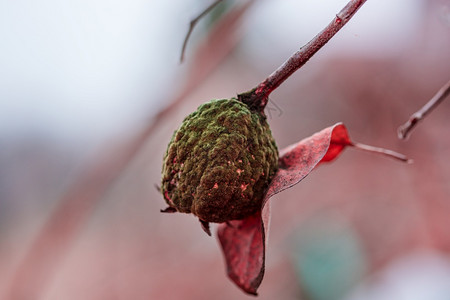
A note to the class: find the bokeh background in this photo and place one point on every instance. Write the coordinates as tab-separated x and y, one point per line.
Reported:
82	85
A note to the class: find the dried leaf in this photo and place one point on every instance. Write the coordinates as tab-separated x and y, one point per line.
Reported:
243	241
298	160
243	247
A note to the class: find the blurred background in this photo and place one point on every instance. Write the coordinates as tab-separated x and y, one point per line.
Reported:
82	138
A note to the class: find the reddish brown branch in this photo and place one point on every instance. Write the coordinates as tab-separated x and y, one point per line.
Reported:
405	129
258	97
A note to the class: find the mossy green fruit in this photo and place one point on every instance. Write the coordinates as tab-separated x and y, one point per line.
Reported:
219	162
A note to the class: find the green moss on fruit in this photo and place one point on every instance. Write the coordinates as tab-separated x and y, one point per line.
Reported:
219	162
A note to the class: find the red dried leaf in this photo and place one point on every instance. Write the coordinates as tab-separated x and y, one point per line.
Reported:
298	160
243	247
243	241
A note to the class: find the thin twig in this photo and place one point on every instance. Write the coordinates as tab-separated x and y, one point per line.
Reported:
405	129
192	25
382	151
258	97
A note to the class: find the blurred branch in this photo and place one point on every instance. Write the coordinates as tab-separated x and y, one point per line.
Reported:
258	97
54	240
405	130
192	25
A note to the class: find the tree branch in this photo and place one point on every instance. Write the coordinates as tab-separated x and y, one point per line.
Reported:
257	98
192	25
405	129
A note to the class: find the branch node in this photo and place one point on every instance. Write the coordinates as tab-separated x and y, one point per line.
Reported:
192	25
405	129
